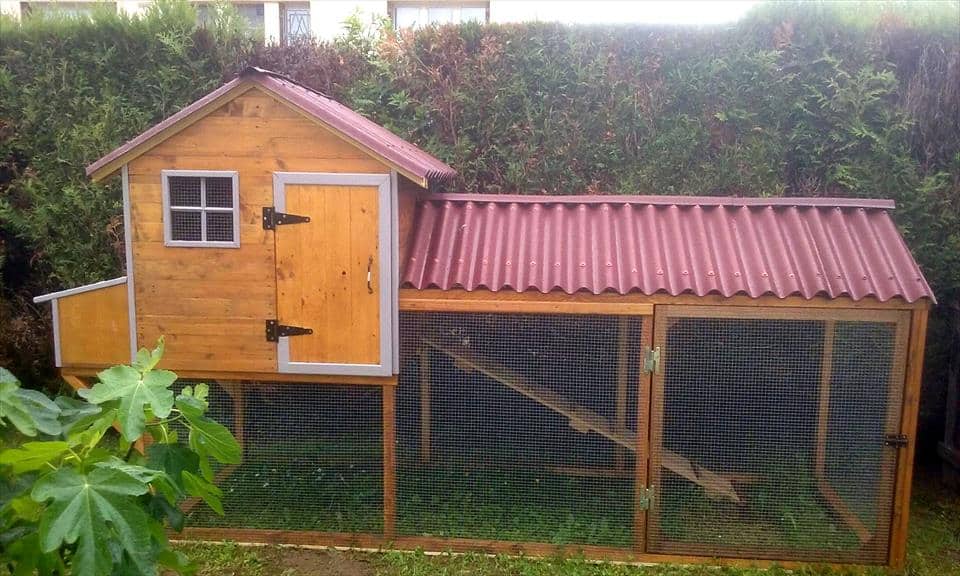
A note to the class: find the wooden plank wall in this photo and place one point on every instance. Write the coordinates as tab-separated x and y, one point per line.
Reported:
211	303
93	328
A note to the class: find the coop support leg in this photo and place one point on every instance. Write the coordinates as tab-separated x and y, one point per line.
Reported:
820	457
623	372
389	462
425	405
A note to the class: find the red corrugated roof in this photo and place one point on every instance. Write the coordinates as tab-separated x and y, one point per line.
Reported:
368	135
651	244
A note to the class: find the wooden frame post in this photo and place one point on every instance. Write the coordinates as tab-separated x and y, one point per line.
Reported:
424	366
908	427
389	462
642	470
623	373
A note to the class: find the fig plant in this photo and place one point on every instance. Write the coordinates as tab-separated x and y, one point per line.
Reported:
75	498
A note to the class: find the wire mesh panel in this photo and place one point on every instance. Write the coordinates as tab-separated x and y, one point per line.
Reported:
518	427
312	458
769	435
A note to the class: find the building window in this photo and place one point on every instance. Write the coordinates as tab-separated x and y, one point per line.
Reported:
420	14
295	20
251	14
201	208
68	9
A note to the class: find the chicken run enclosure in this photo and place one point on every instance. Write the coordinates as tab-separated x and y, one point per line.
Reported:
634	378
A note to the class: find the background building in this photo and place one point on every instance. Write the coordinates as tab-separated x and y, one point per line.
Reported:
283	21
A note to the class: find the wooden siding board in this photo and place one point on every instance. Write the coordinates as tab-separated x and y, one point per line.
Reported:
94	327
211	303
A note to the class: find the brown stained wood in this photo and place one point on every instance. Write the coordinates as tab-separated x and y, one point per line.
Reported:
407	194
908	427
833	499
94	327
237	395
623	366
377	542
389	462
326	289
424	366
259	378
547	306
211	303
431	300
642	465
585	420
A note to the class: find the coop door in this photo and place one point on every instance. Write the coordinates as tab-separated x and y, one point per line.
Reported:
768	432
334	281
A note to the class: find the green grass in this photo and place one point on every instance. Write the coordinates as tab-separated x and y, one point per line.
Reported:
933	550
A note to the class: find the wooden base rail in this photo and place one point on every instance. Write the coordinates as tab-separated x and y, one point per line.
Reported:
378	542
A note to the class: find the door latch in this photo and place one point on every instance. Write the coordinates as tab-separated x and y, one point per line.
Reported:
651	360
895	440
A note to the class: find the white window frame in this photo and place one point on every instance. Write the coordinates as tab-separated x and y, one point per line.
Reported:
423	20
203	209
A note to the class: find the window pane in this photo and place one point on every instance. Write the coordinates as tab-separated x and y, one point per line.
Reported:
220	192
185	226
407	16
473	14
440	15
184	190
220	226
297	23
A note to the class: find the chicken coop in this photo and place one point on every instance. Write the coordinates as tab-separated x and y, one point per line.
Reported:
631	378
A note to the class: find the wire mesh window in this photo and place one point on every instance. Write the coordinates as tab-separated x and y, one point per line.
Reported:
518	427
773	438
312	459
202	209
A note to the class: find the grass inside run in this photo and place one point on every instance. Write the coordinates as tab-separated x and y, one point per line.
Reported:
515	505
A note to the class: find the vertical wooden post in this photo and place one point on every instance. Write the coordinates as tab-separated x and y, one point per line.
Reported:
389	461
908	427
236	393
642	470
623	372
425	404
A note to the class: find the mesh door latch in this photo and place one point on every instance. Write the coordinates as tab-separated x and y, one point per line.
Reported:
272	218
275	331
644	498
895	440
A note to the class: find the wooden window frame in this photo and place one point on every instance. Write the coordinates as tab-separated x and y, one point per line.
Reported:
203	209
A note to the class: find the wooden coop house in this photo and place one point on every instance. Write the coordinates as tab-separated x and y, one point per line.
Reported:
633	378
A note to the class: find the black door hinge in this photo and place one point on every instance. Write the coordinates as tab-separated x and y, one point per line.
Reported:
274	331
895	440
272	218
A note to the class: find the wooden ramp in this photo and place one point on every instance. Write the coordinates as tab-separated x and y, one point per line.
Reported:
585	420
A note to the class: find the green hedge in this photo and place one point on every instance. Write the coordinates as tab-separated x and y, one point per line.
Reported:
804	99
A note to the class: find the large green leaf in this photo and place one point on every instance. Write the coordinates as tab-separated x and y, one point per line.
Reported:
207	437
135	390
173	459
95	510
29	411
75	414
32	455
206	491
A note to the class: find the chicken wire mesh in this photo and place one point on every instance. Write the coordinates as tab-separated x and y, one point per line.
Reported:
518	427
782	425
312	458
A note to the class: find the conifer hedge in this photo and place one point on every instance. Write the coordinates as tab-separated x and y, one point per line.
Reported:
799	99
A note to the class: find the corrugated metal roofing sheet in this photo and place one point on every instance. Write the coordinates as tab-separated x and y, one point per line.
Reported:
367	134
673	245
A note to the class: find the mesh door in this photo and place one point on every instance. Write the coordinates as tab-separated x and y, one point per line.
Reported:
312	460
518	427
772	436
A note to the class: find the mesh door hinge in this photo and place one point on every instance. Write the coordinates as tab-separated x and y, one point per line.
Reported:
272	218
895	440
651	360
645	497
275	330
